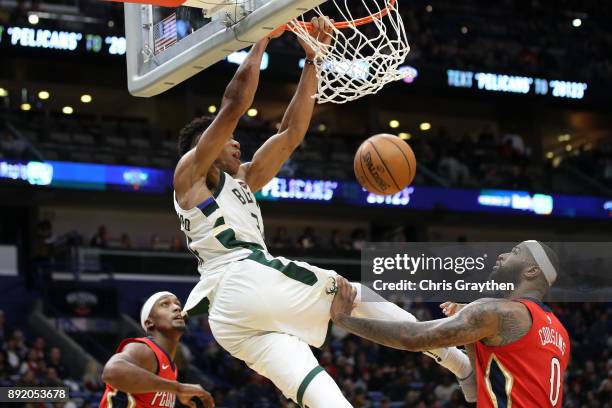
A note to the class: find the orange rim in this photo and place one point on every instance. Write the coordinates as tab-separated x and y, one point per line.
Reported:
352	23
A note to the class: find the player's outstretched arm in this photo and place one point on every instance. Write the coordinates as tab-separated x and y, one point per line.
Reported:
237	99
475	322
132	371
270	157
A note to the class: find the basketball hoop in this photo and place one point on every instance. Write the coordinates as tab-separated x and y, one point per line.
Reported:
365	54
369	41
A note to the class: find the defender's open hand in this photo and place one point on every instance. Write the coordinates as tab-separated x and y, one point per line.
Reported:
450	308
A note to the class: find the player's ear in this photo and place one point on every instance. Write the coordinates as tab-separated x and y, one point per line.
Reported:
531	273
149	324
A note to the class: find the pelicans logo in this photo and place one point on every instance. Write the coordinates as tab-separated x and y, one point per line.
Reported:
135	178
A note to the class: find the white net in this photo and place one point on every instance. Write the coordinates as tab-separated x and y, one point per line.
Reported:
361	58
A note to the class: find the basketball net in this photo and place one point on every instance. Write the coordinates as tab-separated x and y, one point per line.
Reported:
365	53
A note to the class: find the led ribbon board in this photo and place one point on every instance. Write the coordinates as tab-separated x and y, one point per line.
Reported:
516	84
103	177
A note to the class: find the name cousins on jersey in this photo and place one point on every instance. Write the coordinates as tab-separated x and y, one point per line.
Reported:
429	285
163	399
548	335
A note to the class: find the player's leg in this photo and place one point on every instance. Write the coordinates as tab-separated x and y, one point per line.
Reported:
372	305
287	361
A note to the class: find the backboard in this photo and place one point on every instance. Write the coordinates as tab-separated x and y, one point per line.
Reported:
165	46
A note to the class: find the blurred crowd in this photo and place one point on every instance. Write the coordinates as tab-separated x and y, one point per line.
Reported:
345	240
27	361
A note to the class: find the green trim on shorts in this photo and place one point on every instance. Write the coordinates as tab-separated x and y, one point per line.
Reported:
290	270
306	381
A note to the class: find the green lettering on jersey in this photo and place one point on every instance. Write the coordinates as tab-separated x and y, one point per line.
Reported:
227	238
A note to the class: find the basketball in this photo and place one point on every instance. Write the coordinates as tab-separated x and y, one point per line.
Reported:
384	164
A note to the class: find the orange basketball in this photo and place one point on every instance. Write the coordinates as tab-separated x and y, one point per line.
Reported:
384	164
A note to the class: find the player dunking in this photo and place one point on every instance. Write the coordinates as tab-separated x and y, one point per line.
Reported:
264	310
520	349
142	373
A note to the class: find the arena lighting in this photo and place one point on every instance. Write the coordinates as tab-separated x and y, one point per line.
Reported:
394	124
86	98
564	138
540	204
322	127
550	155
212	109
67	110
404	135
110	24
429	8
33	19
44	95
425	126
252	112
3	92
576	22
568	148
35	173
25	106
239	56
464	30
414	73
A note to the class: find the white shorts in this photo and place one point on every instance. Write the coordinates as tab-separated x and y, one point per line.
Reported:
267	310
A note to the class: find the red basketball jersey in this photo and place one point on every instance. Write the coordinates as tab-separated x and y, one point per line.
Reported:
529	372
165	368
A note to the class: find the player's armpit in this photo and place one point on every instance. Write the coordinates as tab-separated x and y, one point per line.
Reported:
269	158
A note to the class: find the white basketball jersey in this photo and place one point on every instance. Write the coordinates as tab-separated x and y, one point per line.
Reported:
225	227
